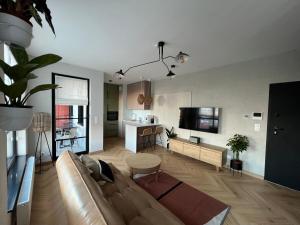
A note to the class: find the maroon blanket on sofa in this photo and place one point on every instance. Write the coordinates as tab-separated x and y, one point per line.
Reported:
190	205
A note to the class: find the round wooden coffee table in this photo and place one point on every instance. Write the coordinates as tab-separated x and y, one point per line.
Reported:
143	163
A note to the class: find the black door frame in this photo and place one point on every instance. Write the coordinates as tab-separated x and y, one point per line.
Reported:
54	156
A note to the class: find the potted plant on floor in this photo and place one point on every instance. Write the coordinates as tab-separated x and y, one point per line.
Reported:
170	134
14	114
15	15
238	143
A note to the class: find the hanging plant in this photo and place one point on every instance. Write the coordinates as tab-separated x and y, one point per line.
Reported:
27	9
15	16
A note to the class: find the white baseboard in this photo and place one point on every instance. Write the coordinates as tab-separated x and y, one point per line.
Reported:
248	173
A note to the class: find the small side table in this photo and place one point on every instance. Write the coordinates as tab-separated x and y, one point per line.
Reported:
236	165
143	163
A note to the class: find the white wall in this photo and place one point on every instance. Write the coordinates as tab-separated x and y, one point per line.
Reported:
238	89
42	101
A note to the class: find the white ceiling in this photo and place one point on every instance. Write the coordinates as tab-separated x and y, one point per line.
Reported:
108	35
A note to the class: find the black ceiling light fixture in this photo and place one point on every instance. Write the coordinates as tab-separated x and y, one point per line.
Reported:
171	74
181	57
120	74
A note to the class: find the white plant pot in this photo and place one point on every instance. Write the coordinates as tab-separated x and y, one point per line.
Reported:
15	118
15	30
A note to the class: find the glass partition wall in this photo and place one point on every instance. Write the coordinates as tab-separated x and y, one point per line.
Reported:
70	112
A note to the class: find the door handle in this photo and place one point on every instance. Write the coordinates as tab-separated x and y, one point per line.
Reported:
276	130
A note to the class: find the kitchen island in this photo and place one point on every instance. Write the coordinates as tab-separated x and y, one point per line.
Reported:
133	129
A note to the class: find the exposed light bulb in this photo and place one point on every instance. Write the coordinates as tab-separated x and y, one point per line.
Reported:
120	74
182	57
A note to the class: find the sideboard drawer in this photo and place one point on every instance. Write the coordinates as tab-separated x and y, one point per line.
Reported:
191	151
211	157
176	146
210	154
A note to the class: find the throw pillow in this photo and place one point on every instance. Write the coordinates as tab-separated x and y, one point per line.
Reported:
93	166
106	172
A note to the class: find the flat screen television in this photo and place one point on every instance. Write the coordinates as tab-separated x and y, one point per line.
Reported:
200	119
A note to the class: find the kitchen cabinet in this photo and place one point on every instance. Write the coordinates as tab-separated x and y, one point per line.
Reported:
112	97
133	91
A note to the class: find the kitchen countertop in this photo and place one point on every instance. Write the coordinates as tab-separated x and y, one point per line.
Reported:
139	124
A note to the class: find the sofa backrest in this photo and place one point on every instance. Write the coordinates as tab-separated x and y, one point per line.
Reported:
83	199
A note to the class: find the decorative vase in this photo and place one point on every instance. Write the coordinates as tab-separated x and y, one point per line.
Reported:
15	118
15	30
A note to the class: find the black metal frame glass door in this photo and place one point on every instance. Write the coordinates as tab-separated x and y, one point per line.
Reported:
70	122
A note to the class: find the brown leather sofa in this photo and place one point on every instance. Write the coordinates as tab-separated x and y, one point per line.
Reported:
120	203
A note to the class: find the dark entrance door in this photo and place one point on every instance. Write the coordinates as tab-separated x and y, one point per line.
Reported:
283	137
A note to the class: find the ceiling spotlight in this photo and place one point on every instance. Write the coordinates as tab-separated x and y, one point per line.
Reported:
171	74
182	57
120	74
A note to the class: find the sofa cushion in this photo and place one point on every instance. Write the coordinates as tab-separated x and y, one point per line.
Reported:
108	189
156	217
137	199
80	166
140	221
105	171
92	165
124	206
135	209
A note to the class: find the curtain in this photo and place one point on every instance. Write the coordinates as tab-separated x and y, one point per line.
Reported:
72	91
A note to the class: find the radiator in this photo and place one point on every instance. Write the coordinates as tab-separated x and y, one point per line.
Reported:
25	197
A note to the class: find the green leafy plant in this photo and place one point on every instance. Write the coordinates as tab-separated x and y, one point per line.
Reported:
238	143
171	133
26	9
16	94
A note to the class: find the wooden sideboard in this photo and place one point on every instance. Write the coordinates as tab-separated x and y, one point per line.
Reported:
210	154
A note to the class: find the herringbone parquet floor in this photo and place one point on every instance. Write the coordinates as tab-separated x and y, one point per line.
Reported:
252	201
